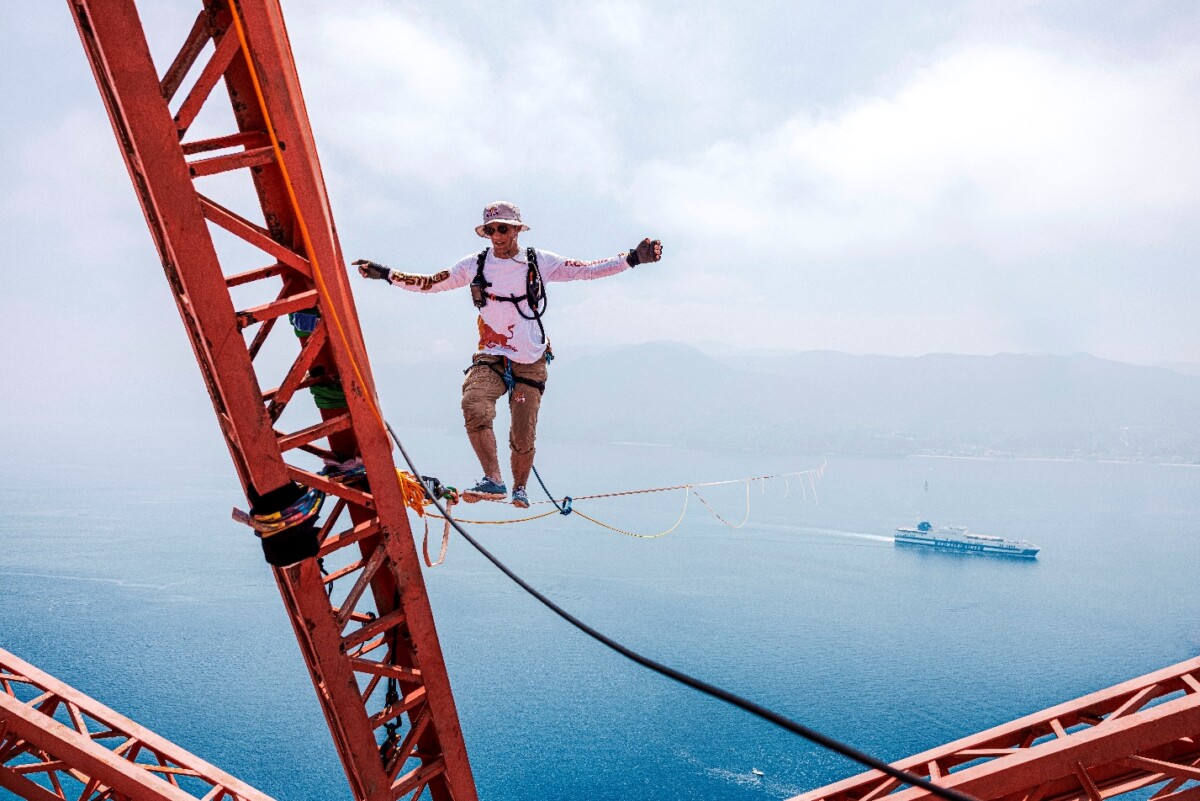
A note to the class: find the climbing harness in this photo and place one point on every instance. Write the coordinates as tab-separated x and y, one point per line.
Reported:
534	298
535	290
509	378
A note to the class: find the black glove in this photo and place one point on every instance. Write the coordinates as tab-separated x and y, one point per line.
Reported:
647	251
369	269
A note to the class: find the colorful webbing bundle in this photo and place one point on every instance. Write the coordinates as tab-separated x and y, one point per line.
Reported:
307	507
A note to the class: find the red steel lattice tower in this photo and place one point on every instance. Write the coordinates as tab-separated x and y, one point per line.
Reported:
360	610
57	743
1140	737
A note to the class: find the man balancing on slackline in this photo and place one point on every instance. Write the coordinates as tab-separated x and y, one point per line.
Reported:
507	288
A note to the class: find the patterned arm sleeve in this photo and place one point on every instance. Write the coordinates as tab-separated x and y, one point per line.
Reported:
556	268
457	276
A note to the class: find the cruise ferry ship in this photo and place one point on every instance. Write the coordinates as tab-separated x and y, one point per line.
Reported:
957	538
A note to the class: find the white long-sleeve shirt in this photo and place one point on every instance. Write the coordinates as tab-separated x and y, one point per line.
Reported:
503	331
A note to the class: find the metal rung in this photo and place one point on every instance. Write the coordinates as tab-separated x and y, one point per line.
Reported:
234	161
250	276
278	308
249	140
314	432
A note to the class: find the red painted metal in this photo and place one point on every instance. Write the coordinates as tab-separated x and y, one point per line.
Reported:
367	635
1133	736
361	614
57	743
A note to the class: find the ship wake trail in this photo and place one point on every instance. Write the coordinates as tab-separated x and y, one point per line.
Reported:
98	579
832	532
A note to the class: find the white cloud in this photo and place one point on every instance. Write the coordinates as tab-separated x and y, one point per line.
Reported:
62	174
1018	152
414	100
1012	171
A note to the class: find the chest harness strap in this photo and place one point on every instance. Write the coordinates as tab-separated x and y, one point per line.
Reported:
535	293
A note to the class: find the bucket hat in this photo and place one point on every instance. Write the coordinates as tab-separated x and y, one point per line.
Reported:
501	211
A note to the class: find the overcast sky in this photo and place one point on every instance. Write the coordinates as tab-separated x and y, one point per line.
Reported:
872	177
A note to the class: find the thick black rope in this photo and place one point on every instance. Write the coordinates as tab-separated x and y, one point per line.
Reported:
696	684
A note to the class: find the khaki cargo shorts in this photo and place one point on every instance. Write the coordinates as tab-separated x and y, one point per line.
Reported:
483	386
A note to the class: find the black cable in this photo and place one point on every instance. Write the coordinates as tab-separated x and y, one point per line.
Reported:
696	684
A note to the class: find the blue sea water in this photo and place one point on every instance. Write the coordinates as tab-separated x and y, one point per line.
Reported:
131	583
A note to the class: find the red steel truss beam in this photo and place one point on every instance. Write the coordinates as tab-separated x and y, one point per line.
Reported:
57	743
1133	736
384	691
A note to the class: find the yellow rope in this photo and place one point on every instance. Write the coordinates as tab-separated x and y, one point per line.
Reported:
602	524
499	522
413	491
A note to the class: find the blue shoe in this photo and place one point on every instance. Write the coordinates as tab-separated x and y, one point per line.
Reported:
520	499
485	490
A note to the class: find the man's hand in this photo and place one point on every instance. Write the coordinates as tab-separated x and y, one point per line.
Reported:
647	251
369	269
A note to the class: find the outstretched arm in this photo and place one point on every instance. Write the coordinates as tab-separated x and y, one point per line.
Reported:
561	269
414	282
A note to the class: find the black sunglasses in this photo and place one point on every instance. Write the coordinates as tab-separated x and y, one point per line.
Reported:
488	230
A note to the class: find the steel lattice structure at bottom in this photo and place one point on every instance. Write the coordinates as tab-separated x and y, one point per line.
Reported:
57	743
1141	735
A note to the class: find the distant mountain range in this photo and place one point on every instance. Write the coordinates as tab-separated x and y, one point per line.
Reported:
1075	406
